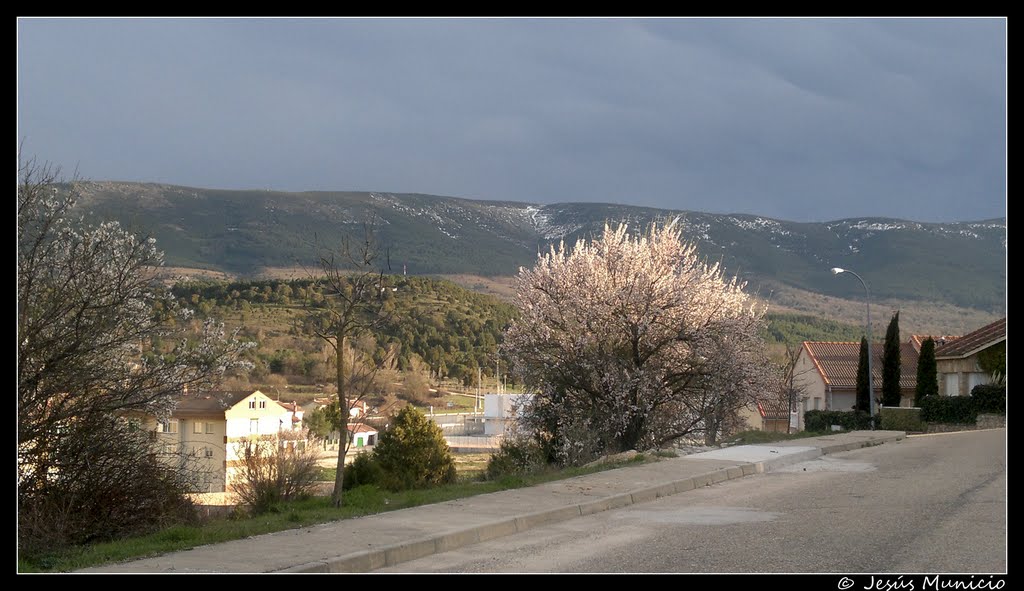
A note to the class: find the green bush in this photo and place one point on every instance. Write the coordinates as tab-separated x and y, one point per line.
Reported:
822	420
901	419
412	453
989	398
515	456
949	409
364	469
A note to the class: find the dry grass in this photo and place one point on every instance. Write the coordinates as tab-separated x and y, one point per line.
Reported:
916	317
285	273
174	272
499	287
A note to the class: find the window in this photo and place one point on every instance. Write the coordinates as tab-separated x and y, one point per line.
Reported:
252	404
197	426
817	404
263	404
209	452
976	379
952	384
167	426
209	426
254	425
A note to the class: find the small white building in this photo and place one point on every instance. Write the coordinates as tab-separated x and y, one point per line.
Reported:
361	435
501	410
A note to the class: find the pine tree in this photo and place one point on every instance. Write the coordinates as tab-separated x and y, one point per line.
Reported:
891	363
927	373
863	395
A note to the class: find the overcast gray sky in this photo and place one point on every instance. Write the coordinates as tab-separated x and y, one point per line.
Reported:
797	119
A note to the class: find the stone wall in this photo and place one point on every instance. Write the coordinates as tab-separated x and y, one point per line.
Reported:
991	421
984	421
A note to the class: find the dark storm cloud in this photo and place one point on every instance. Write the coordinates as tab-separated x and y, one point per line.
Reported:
802	119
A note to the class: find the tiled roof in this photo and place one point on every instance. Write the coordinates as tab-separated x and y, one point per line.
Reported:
974	341
360	428
837	363
918	339
208	403
773	408
211	404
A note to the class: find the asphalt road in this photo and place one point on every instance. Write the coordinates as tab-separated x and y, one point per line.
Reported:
927	504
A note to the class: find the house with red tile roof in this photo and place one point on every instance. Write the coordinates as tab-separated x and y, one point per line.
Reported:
826	374
775	413
957	360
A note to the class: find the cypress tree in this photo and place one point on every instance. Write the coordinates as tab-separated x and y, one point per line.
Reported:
927	373
891	363
863	396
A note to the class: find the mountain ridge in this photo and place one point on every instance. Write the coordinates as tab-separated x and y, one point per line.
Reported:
242	231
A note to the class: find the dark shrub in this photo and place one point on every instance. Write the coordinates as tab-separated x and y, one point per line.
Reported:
989	398
822	420
516	456
413	453
364	469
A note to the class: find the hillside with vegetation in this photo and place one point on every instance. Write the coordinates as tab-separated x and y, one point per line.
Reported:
435	333
246	232
438	334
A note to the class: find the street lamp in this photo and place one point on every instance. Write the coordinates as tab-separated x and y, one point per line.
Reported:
867	304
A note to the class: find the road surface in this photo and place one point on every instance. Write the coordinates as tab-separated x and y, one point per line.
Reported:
927	504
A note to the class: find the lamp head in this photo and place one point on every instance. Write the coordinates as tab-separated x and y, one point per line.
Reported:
837	270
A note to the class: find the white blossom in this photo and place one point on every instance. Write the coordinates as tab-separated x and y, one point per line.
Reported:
631	340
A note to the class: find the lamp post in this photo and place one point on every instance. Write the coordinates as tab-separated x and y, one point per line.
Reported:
867	305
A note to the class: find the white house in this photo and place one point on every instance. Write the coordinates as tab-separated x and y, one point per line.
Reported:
361	436
211	426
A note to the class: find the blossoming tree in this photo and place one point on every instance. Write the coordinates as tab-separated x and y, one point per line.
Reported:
89	313
630	341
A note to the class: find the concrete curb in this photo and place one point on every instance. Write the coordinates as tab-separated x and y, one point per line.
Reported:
365	561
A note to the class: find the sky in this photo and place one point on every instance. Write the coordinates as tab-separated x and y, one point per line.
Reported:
802	119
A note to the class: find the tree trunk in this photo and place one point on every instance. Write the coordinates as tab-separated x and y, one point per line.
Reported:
339	477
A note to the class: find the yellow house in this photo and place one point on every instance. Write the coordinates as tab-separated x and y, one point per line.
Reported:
208	428
768	413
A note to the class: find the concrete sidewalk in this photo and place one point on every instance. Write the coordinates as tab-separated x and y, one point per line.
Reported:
366	543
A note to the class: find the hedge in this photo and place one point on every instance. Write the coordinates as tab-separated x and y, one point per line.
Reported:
949	409
901	419
822	420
